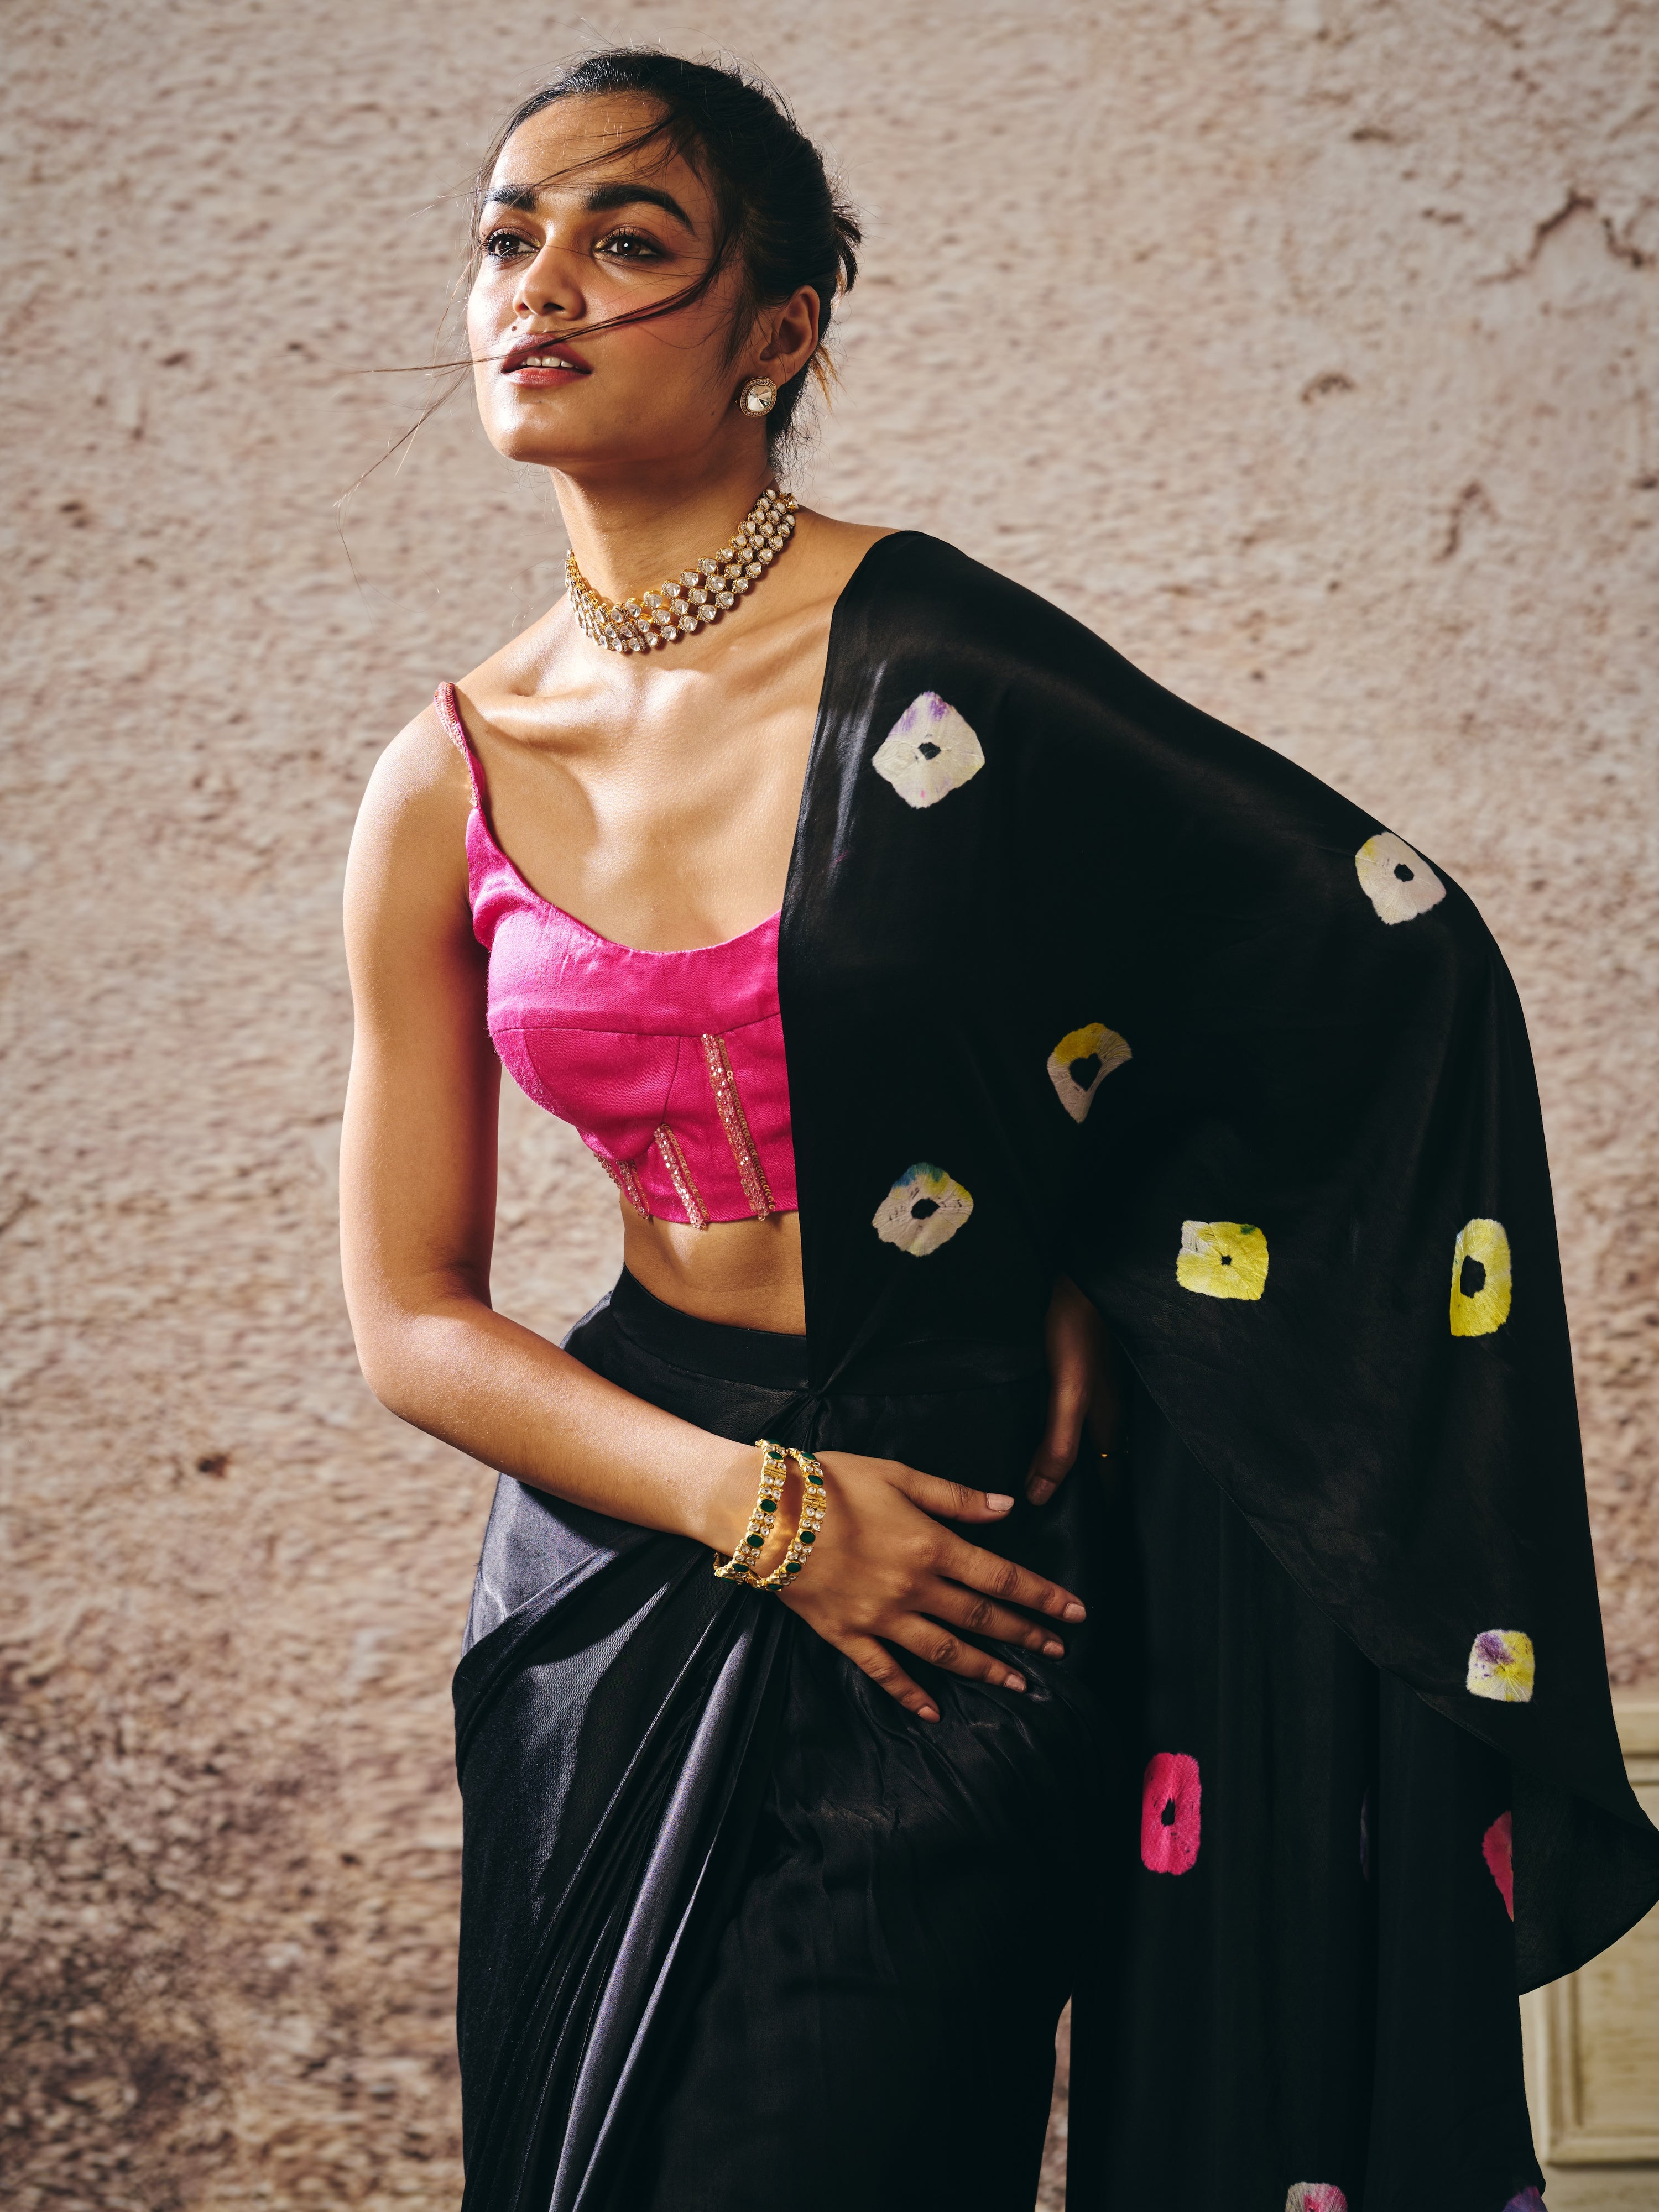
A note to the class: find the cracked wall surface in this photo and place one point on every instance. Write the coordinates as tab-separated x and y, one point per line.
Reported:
1301	348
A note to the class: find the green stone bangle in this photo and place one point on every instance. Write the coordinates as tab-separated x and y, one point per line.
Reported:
814	1498
739	1568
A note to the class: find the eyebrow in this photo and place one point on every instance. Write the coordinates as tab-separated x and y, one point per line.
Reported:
623	193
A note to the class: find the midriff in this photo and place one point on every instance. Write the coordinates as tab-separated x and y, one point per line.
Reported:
745	1273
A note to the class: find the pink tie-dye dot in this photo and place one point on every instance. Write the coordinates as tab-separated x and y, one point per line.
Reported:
1315	2197
1169	1813
1496	1850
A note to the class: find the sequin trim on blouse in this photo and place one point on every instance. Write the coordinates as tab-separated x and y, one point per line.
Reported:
679	1174
728	1104
627	1182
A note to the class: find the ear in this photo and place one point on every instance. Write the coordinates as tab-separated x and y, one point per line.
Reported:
788	337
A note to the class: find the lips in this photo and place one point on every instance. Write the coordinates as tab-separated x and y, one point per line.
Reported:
542	358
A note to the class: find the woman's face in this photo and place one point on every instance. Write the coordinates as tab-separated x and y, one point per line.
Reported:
573	234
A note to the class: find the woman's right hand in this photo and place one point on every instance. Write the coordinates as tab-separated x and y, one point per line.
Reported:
885	1573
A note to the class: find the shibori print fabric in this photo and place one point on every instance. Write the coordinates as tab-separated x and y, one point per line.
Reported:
1399	883
1190	1026
929	751
1080	1063
924	1209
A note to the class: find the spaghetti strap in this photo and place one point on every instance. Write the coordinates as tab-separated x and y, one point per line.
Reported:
449	713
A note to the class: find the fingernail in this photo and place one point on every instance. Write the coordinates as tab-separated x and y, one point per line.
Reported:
997	1502
1053	1651
1014	1682
926	1713
1039	1492
1074	1611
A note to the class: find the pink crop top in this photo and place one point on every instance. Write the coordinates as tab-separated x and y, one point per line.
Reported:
669	1065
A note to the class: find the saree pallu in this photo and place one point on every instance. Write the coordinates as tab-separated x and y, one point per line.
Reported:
734	1924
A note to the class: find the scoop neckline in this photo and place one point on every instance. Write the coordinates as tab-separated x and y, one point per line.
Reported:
689	952
611	944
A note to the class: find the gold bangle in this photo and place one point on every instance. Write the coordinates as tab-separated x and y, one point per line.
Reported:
814	1497
739	1568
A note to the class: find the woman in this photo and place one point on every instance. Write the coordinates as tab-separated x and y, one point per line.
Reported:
776	1878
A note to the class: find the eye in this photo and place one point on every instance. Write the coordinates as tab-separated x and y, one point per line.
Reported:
499	244
629	245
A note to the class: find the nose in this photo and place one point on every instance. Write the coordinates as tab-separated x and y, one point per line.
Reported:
547	285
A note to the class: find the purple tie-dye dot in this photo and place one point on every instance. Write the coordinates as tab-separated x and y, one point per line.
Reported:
1529	2200
1496	1847
1169	1813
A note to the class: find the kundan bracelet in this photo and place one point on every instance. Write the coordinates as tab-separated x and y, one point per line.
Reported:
774	1466
806	1528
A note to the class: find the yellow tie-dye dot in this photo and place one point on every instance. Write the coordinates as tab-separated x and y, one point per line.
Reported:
1502	1666
1481	1279
1222	1259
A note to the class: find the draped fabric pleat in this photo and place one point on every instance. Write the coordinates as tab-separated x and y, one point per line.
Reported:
717	1888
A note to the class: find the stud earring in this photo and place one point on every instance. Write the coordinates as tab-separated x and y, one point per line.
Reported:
758	397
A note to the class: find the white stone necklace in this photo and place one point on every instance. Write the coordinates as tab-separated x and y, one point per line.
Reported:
698	595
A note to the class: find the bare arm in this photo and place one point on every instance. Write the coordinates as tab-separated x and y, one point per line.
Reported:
418	1174
417	1188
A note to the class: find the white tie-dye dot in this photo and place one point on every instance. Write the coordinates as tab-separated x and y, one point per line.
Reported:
1399	883
924	1209
928	752
1080	1063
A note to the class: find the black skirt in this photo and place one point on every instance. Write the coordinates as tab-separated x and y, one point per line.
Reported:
738	1930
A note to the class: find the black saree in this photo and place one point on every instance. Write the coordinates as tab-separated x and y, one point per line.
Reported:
729	1912
1075	979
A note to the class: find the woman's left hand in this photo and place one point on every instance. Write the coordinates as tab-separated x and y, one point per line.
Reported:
1083	1388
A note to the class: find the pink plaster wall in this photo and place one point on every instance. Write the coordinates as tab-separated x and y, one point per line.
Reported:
1300	348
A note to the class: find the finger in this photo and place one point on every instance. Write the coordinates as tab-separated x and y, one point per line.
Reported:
929	1641
1002	1578
962	1608
1052	1457
954	1501
875	1661
1068	1402
1058	1452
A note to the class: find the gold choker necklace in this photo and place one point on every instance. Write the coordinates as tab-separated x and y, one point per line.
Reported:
695	595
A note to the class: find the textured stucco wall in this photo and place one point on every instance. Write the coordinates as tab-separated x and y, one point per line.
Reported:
1297	347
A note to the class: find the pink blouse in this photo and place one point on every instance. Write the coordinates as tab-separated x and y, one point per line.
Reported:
669	1065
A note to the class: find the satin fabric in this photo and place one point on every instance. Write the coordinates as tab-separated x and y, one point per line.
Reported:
1318	1984
732	1922
1316	1042
729	1912
615	1040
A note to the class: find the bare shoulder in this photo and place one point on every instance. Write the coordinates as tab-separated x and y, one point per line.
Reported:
421	768
853	539
838	547
408	848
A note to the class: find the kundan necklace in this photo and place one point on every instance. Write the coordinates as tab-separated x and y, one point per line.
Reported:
698	595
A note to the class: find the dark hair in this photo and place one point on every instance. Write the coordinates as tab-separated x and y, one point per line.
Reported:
777	213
